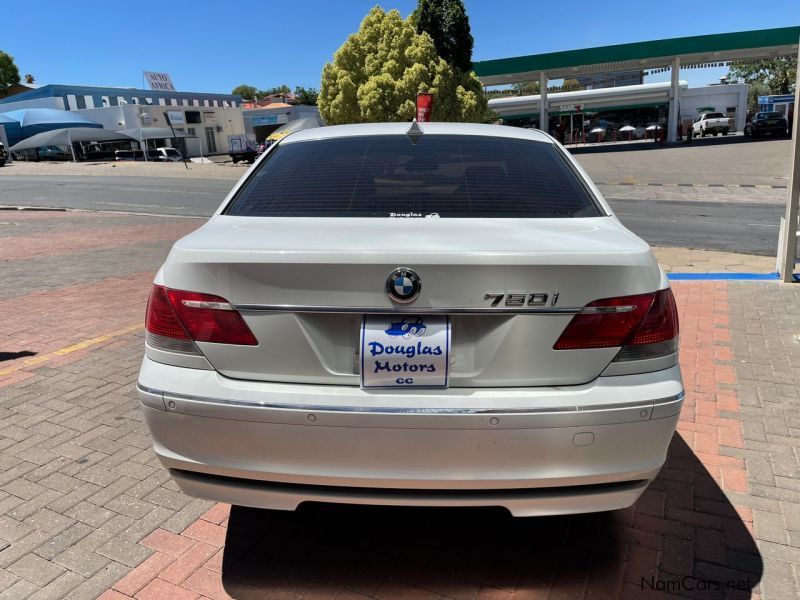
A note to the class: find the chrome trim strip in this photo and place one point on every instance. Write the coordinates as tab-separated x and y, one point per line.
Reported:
205	304
601	310
419	310
148	390
412	411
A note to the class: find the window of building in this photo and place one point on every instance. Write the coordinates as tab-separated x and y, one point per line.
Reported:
193	116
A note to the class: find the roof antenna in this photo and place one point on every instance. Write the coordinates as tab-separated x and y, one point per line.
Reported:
414	132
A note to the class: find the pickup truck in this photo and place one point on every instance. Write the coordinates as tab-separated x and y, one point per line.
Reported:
711	123
241	149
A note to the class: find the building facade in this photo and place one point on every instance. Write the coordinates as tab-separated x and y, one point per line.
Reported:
80	97
210	118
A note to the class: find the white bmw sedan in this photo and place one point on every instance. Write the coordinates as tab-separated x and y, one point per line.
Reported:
435	315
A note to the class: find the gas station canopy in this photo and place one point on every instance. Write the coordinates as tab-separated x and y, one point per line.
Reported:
694	50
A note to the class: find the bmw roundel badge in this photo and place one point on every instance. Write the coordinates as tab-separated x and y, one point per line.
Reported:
403	285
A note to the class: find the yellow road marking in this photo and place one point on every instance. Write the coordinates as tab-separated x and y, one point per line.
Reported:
74	348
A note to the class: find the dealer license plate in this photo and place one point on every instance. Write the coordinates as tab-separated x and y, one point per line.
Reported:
401	351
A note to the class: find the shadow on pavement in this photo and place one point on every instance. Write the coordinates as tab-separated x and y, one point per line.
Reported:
4	356
651	145
682	537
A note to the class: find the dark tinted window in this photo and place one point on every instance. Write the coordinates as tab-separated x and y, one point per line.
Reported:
715	116
389	176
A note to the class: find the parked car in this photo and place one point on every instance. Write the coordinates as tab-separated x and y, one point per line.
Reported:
3	155
475	327
47	152
170	154
126	155
766	122
711	123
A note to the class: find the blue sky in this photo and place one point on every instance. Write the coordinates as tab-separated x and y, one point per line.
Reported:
214	46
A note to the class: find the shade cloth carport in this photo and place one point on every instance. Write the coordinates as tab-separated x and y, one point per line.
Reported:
38	120
12	129
66	137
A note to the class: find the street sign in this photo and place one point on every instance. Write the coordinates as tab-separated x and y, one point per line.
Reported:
159	81
176	117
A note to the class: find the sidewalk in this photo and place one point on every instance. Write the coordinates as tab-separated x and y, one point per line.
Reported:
86	510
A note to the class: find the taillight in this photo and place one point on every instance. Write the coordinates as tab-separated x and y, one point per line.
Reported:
646	325
210	318
189	317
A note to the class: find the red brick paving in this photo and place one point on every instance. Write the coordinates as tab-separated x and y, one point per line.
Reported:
682	526
67	242
44	322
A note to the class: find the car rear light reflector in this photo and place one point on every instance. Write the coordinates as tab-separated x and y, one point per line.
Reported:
606	323
209	318
182	318
642	320
160	319
163	330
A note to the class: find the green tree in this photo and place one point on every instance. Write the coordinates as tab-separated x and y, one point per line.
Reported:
281	89
447	23
571	85
248	92
307	96
754	90
9	73
378	71
778	75
528	88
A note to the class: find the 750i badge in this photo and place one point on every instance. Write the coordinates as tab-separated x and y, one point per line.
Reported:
522	298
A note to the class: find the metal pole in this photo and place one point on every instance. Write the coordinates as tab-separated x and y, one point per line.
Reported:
543	121
71	149
674	97
789	249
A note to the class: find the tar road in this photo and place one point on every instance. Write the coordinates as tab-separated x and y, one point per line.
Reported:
730	227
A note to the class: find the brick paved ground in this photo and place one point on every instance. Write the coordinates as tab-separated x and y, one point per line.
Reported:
85	509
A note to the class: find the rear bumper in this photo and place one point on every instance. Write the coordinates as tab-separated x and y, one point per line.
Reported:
534	451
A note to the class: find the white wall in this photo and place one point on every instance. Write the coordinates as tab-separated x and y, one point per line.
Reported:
720	97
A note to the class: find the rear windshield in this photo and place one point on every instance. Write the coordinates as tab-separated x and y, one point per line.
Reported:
715	116
438	176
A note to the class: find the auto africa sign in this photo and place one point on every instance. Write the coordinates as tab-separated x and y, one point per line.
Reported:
159	81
